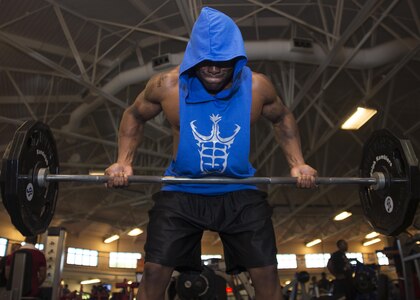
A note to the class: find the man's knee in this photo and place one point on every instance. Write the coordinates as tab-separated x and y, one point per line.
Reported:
156	273
154	281
266	282
265	274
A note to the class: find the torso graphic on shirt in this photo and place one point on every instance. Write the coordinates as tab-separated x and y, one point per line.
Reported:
213	148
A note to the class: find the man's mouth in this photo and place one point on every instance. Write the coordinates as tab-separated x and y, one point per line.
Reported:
211	78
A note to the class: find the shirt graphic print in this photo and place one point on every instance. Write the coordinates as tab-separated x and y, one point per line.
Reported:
213	148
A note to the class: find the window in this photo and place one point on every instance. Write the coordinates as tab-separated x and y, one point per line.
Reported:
207	258
82	257
123	260
210	256
382	259
3	246
354	255
317	260
286	261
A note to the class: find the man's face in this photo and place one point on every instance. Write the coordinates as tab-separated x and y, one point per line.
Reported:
215	75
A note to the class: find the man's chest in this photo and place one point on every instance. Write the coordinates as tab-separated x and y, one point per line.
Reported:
171	108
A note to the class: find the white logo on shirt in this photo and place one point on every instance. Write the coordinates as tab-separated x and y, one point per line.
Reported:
213	148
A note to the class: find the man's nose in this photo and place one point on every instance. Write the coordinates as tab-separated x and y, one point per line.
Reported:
214	69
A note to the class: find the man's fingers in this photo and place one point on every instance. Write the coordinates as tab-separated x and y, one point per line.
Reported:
110	182
306	181
116	180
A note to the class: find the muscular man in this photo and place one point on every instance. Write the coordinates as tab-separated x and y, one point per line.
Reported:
210	100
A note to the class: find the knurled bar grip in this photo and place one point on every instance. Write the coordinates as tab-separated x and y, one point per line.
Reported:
378	180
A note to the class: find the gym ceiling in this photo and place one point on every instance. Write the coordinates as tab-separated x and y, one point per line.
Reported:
76	65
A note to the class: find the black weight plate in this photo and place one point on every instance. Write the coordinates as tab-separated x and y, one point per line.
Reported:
191	286
196	285
3	176
390	210
30	206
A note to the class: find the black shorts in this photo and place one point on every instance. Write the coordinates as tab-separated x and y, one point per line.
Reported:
242	219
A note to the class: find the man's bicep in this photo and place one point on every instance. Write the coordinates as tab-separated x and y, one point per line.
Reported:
274	110
273	107
145	108
147	104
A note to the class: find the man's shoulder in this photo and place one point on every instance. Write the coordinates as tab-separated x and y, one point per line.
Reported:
172	73
336	253
167	79
258	76
162	85
263	88
261	82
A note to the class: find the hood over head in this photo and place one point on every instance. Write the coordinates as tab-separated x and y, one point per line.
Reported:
214	37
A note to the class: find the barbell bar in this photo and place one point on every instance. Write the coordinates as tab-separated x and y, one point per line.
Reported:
389	182
377	181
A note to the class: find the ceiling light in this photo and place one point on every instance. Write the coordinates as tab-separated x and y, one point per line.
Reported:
358	118
313	243
111	239
343	215
90	281
135	232
372	235
371	242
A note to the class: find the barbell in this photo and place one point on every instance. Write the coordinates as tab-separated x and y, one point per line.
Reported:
389	180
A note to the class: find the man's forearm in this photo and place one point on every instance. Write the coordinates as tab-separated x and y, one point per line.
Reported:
129	137
287	135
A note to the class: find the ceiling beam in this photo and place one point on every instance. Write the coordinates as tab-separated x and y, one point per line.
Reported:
45	47
70	41
292	18
141	6
357	21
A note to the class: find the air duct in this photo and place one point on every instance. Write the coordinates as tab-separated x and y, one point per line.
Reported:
119	82
305	52
297	50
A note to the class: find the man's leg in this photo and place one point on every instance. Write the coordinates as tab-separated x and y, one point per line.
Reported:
266	283
154	282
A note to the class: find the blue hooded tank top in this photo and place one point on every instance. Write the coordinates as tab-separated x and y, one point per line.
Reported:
214	129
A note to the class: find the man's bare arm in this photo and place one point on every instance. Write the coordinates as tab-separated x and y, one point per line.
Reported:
284	125
286	131
145	107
